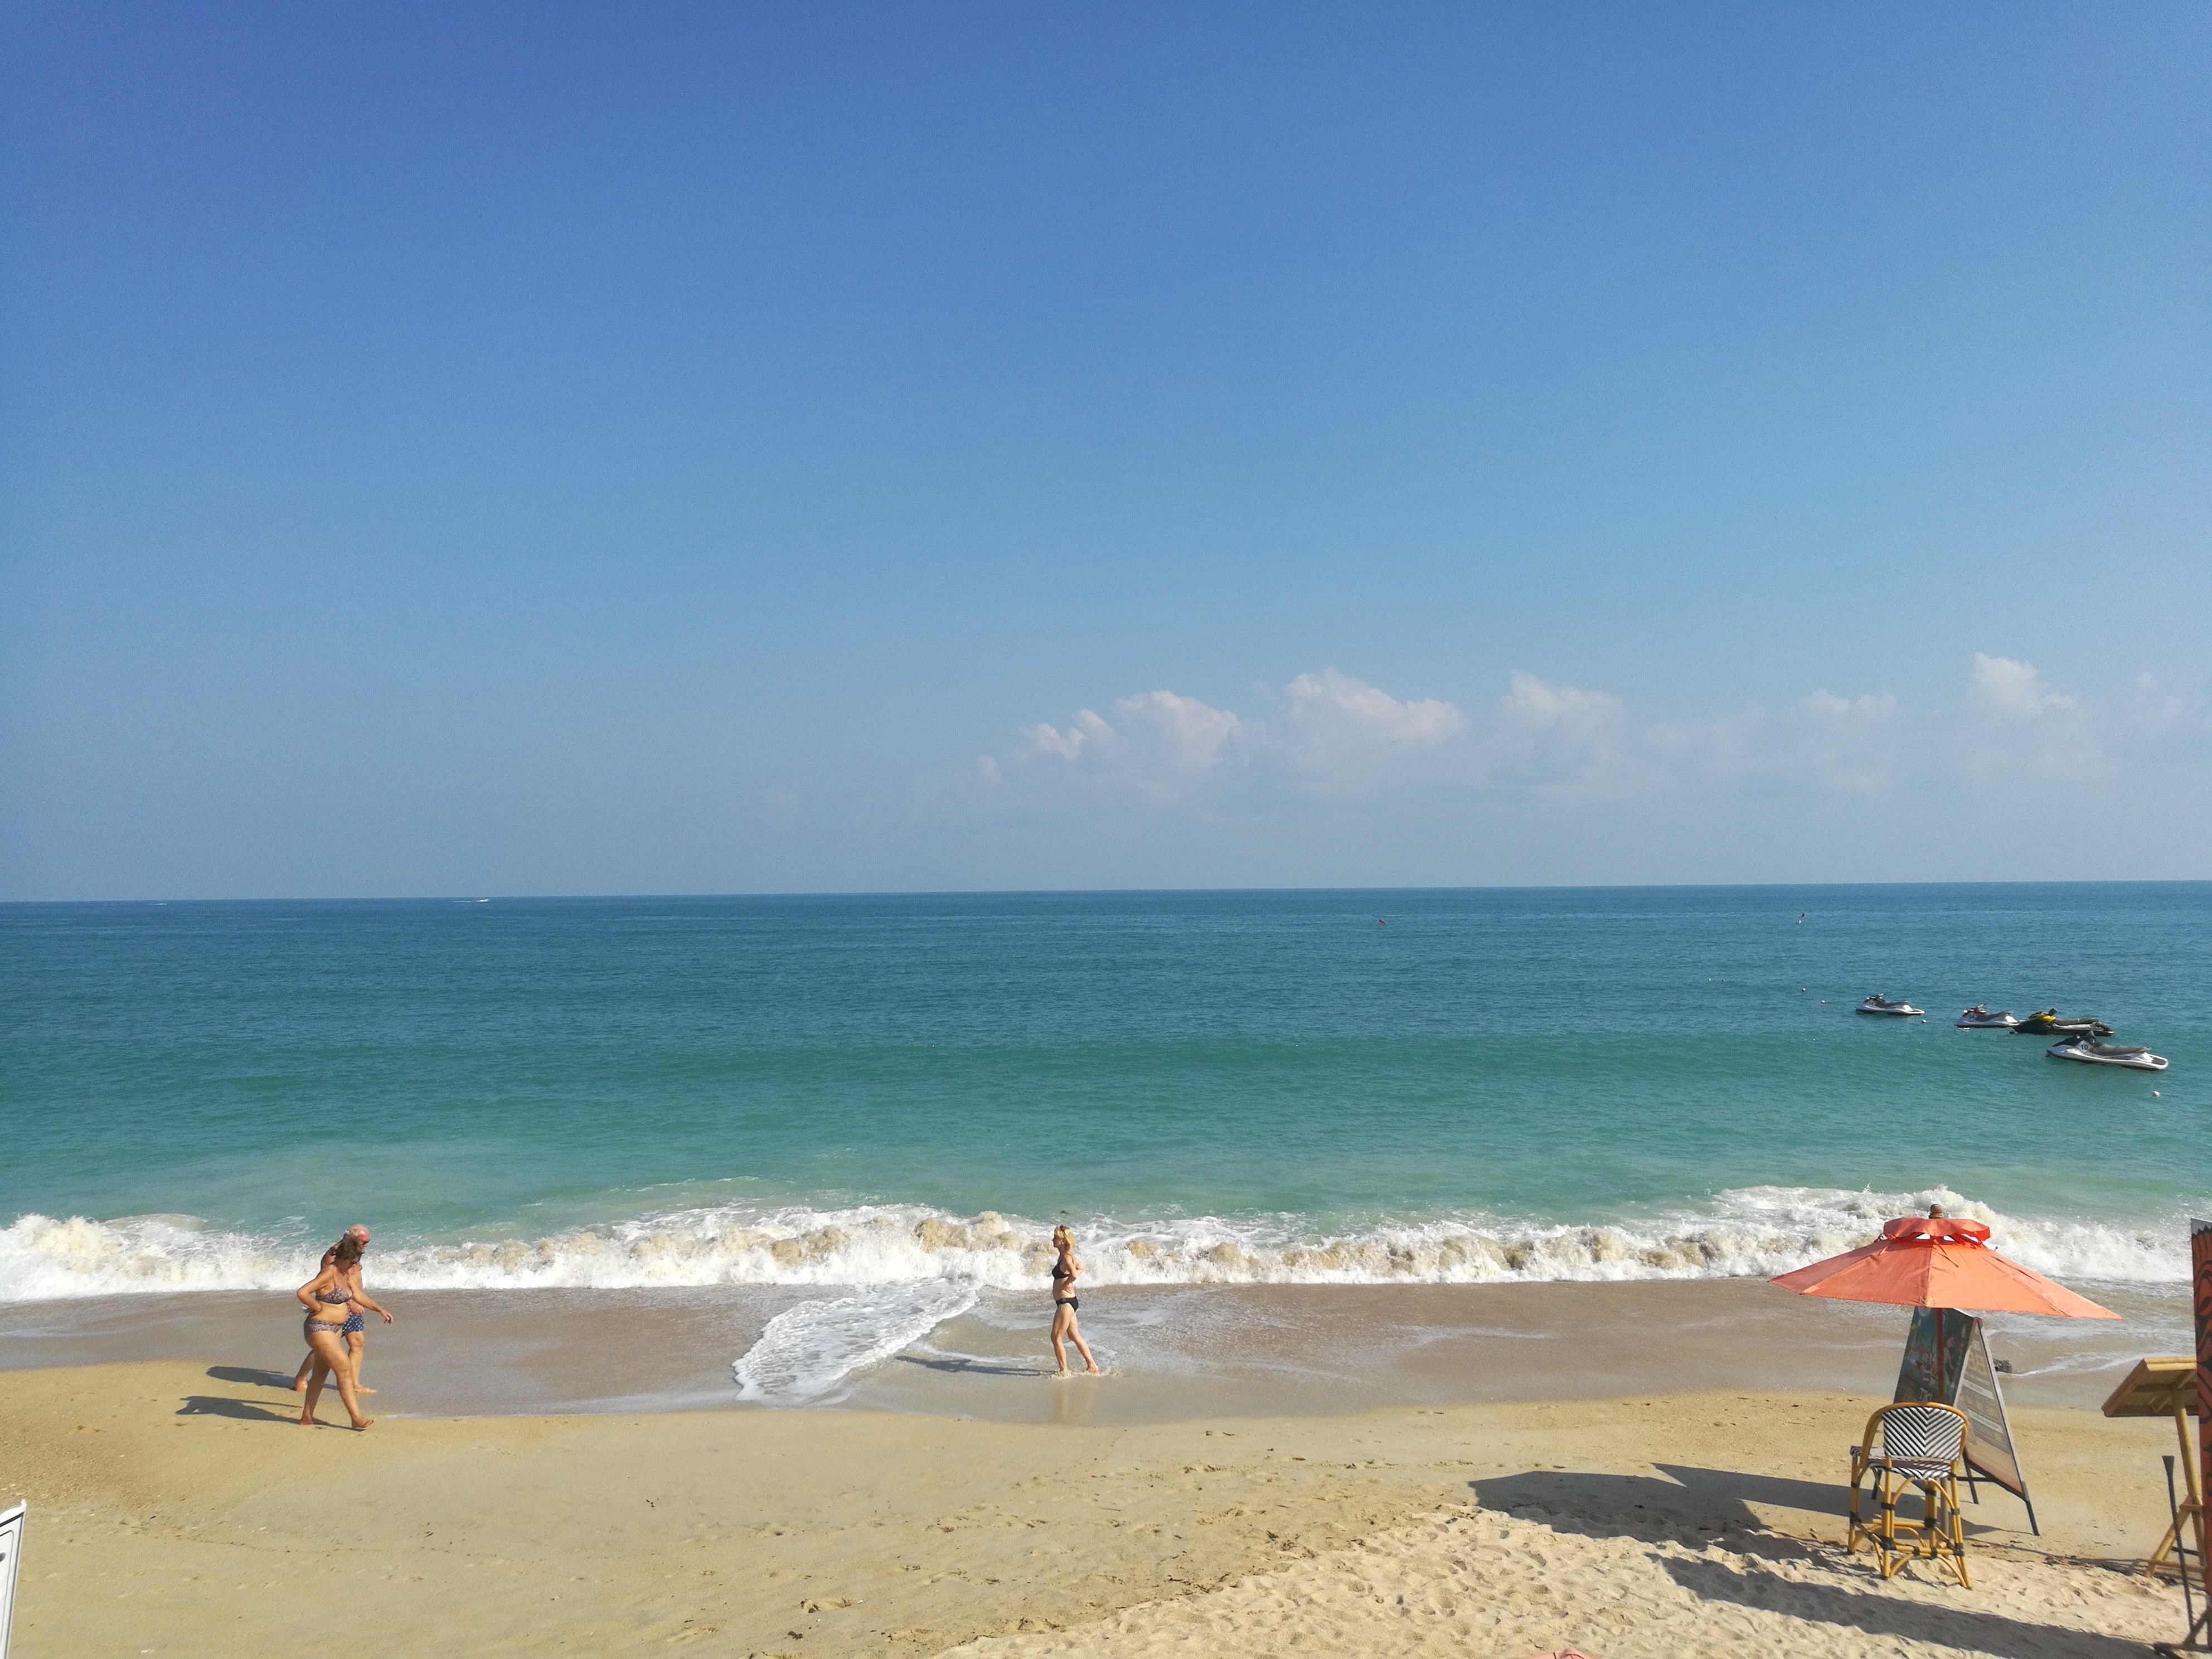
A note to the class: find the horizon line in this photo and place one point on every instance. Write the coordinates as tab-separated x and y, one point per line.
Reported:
465	897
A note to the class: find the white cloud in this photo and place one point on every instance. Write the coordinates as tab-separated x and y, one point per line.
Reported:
1335	707
2008	689
1344	737
1856	712
1563	740
2164	722
1836	743
2156	707
1848	743
1326	735
1194	733
1565	709
1046	741
1730	747
2018	725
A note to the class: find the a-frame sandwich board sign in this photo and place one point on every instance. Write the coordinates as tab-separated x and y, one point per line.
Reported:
1947	1360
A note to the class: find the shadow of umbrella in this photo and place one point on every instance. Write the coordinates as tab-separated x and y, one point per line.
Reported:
1643	1506
1945	1626
1691	1505
1814	1497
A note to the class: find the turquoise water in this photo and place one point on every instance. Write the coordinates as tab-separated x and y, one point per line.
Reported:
1347	1086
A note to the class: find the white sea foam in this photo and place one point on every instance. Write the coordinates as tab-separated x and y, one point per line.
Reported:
806	1352
41	1258
1750	1231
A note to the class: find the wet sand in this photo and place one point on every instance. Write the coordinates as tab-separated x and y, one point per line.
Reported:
1177	1354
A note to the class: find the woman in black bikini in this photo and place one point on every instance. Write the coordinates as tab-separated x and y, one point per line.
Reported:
329	1298
1065	1267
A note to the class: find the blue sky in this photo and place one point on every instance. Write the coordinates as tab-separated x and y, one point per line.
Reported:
548	448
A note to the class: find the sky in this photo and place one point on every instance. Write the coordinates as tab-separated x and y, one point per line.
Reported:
483	448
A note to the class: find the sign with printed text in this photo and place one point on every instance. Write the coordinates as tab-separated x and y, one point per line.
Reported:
1988	1431
1947	1360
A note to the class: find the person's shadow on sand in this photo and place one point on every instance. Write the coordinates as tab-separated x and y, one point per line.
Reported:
248	1374
961	1367
215	1404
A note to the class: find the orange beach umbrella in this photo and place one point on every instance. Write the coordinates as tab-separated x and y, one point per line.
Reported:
1937	1261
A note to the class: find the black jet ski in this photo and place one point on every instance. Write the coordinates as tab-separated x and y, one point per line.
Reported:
2051	1022
2090	1052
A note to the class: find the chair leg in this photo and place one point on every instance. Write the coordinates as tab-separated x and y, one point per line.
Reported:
1958	1532
1942	1532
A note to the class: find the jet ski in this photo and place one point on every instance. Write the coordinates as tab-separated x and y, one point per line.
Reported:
1879	1003
2051	1022
2090	1052
1979	1018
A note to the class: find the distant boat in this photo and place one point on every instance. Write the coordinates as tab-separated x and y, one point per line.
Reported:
2090	1052
1979	1018
1879	1003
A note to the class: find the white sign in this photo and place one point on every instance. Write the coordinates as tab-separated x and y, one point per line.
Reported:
11	1547
1988	1431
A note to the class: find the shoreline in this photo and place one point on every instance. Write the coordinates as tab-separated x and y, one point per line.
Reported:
1177	1354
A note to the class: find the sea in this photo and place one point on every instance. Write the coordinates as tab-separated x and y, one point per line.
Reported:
888	1101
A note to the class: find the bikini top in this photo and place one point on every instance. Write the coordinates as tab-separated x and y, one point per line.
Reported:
333	1296
1060	1273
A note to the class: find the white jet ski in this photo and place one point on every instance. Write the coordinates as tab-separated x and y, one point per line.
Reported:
1879	1003
2090	1052
1979	1018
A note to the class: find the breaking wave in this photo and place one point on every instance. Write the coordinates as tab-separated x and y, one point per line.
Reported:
805	1353
1751	1231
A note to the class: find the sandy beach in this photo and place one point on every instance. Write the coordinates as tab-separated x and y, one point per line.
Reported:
175	1510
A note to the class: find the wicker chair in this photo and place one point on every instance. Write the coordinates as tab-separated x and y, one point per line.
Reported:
1911	1445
